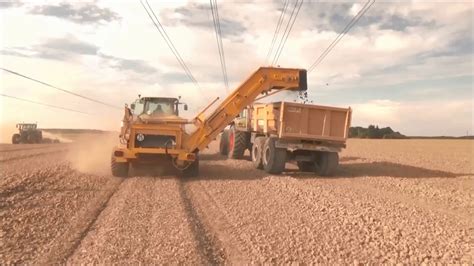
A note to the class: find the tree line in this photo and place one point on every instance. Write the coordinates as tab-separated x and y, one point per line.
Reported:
374	132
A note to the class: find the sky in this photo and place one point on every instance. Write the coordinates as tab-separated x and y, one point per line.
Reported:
407	65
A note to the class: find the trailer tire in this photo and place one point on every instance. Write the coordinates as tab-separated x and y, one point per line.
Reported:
256	152
305	166
224	143
16	139
238	143
119	169
192	170
274	158
326	163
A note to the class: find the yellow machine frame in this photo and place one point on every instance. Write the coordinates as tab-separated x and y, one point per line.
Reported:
262	81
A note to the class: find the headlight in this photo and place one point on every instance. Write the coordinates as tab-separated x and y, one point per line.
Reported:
140	137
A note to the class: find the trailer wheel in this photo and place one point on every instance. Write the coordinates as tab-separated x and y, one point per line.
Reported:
16	138
119	169
192	170
305	166
237	143
274	158
224	143
256	152
326	163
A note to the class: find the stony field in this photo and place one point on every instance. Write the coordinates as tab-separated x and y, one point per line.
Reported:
392	201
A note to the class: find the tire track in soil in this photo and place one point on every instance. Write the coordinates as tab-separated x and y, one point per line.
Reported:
64	247
31	155
21	181
208	244
145	222
26	149
236	247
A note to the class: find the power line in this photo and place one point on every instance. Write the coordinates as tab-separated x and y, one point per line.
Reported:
286	33
44	104
57	88
168	41
353	21
277	30
220	46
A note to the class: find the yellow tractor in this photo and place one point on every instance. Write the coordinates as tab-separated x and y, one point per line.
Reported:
153	133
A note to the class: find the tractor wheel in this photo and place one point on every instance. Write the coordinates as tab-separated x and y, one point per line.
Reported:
326	163
256	152
238	143
16	138
192	170
274	158
224	143
119	169
305	166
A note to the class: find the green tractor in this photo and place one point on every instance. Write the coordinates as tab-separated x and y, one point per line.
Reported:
28	133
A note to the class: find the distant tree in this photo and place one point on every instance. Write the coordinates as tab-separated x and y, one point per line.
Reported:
374	132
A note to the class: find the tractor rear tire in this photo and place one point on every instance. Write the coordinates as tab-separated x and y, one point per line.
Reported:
119	169
326	163
257	151
192	170
238	143
274	159
16	139
224	143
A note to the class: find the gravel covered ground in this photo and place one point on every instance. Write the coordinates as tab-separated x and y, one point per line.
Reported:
392	201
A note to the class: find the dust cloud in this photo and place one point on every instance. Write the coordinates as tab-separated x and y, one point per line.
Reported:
6	131
52	136
91	153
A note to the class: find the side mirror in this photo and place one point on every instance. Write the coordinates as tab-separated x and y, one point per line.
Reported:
185	107
132	106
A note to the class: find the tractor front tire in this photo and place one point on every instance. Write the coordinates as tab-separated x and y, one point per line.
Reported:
256	152
119	169
238	143
224	143
274	159
16	139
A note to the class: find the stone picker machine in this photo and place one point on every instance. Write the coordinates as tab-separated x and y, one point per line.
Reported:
153	132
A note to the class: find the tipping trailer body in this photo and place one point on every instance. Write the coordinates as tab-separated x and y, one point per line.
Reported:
311	135
296	121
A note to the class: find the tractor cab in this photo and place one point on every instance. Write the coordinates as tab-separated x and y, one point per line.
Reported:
27	133
26	127
157	106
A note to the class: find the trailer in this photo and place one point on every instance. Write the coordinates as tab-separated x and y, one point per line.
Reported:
275	133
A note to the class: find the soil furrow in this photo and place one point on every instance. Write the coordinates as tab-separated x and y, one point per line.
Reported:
208	244
77	238
31	155
217	218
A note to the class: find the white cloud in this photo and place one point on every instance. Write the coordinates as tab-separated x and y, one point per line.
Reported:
452	117
360	59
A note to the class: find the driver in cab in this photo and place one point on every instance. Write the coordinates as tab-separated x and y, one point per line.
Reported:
158	110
